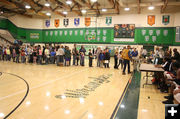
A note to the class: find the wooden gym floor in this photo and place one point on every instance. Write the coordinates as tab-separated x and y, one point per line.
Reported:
74	92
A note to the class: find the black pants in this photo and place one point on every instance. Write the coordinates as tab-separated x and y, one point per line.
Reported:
106	65
126	62
115	63
90	62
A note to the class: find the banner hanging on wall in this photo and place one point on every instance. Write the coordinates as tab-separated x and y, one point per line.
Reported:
151	20
165	19
47	23
76	21
66	22
177	34
56	23
108	20
87	21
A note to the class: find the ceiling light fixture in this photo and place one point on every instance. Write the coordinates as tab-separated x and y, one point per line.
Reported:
127	9
83	11
65	12
151	7
104	10
48	14
27	7
93	0
69	2
47	4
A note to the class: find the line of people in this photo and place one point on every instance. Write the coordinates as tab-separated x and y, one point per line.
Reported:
61	55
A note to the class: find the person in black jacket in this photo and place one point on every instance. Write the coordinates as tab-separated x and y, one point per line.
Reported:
106	58
176	55
90	58
116	60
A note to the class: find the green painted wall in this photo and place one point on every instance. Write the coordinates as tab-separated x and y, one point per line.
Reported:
143	35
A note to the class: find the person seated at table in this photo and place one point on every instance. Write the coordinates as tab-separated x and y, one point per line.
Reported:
162	82
165	65
169	76
175	93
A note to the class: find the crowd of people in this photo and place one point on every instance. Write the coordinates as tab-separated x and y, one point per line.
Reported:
169	80
62	55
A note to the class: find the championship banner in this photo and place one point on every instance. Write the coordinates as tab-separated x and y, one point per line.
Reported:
56	23
76	21
165	19
87	21
108	20
47	23
34	35
66	22
151	20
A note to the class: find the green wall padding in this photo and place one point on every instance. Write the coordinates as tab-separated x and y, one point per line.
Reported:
143	35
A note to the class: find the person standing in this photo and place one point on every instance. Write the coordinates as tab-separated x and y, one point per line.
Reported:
46	55
17	49
97	54
77	58
116	60
101	58
82	52
8	54
52	54
134	55
106	58
40	55
67	56
90	58
120	59
61	55
126	57
74	52
22	55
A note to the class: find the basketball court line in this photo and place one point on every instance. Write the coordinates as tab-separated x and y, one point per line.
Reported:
43	84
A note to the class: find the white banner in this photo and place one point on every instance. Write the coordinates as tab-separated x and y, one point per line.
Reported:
124	39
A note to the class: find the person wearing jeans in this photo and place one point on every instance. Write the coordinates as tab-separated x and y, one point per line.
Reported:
74	52
126	56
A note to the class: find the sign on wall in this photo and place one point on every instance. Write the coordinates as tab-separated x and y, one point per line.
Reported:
154	35
47	23
108	20
124	30
76	21
87	21
151	20
56	23
66	22
165	19
34	35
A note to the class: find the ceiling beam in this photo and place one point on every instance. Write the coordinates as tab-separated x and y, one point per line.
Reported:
9	3
11	11
164	6
138	6
68	7
117	7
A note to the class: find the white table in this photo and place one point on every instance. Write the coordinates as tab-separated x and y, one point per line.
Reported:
149	68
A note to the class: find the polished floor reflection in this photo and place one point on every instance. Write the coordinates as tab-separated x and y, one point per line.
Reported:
73	92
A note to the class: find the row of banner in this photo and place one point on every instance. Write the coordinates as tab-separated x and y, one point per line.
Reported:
150	21
76	22
165	19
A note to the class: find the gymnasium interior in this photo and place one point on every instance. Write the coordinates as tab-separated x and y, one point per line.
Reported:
89	59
